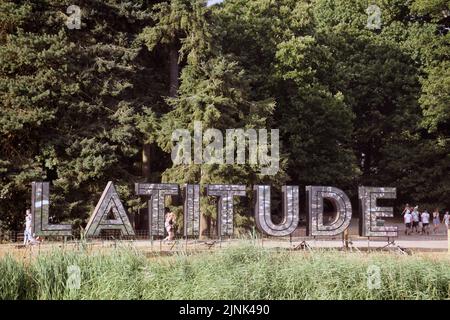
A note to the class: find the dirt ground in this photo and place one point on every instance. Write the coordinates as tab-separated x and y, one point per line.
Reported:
433	244
432	248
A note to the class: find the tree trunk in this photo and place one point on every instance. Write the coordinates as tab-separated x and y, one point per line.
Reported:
146	153
173	64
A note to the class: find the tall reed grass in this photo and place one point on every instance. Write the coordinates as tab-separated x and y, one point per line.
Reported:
246	272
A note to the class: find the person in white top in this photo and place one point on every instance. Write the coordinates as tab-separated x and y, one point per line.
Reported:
408	219
425	221
170	225
416	219
27	236
446	220
406	209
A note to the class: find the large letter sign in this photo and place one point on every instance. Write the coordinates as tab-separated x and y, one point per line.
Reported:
109	203
40	204
110	212
370	212
191	210
225	204
157	193
291	213
341	203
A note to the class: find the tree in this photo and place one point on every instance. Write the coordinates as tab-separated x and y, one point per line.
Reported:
354	105
34	84
71	102
179	26
277	43
214	90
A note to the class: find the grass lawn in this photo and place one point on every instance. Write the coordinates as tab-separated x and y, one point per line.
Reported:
244	272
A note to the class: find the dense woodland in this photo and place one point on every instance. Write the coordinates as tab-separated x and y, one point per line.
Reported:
354	106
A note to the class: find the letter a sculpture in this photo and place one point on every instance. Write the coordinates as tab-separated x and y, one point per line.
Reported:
109	202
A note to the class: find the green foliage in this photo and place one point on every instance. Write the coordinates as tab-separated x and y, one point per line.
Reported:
435	99
179	21
354	106
268	275
70	103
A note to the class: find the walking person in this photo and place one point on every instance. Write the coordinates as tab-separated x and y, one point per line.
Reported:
406	209
415	219
446	220
408	220
436	220
27	236
425	222
170	225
